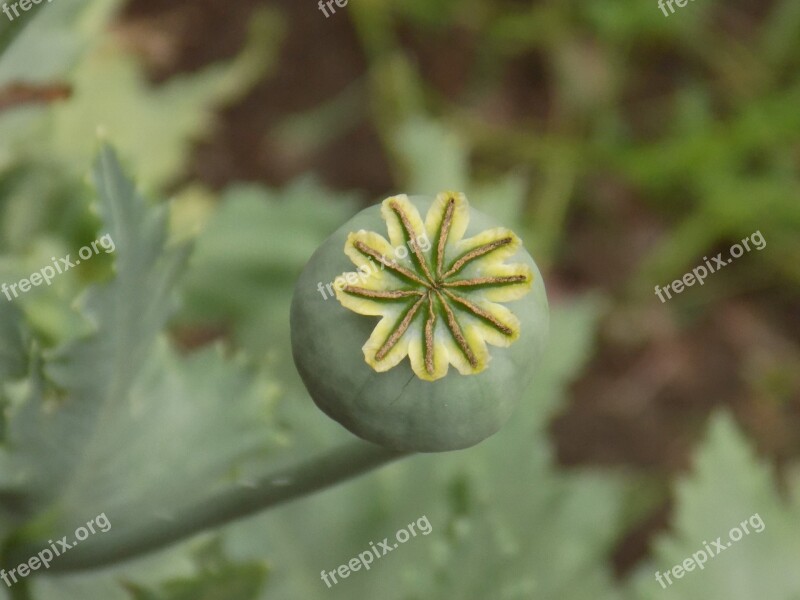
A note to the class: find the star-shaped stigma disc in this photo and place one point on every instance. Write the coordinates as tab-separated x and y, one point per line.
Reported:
438	294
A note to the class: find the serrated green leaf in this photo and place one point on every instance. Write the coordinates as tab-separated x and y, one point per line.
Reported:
102	406
100	370
111	95
729	485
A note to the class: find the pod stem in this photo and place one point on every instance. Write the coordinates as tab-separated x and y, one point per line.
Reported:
243	500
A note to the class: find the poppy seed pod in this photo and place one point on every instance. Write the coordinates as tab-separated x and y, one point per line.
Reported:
424	340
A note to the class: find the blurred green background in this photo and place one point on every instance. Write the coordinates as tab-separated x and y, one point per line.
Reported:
622	145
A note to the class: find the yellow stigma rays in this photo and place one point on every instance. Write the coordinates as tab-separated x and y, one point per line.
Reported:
440	304
413	240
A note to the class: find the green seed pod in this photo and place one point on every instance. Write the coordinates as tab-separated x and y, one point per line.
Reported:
421	377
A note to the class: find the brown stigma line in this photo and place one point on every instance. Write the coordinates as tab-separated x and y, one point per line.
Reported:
430	323
458	335
414	242
475	254
401	329
380	294
444	232
479	312
391	265
479	281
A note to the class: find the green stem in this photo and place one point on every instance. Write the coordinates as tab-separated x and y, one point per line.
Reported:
341	464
